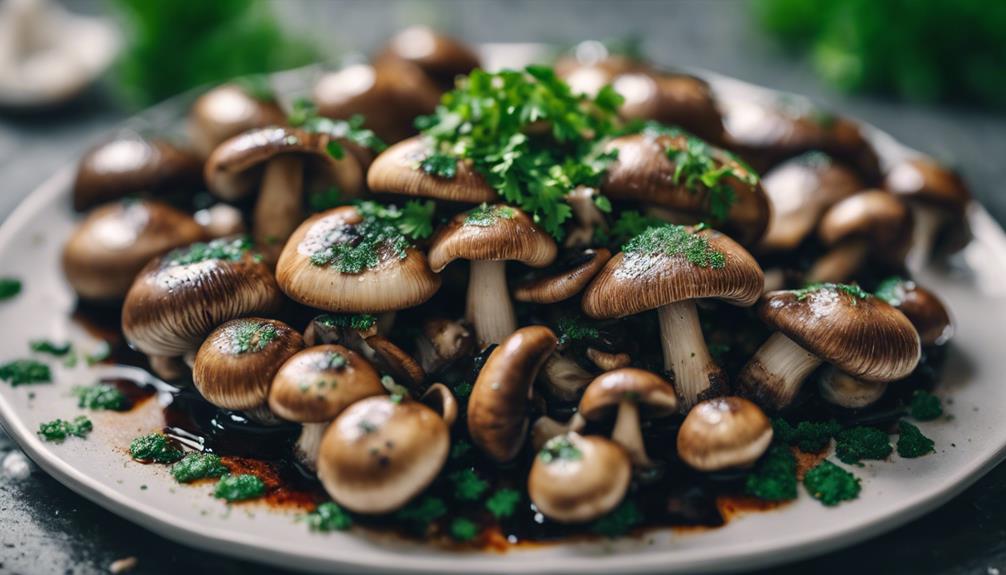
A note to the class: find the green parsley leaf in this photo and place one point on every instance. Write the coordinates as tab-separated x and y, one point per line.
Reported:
304	115
419	514
830	484
468	486
250	336
808	436
9	287
503	503
224	249
329	517
195	466
911	442
673	240
925	406
155	448
100	396
57	430
573	328
464	529
619	521
440	165
46	346
858	443
774	477
25	372
460	449
239	488
359	322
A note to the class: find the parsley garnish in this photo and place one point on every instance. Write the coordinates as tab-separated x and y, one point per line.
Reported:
100	396
774	477
46	346
325	200
467	485
675	240
891	290
239	487
419	514
808	436
559	448
629	224
384	230
858	443
925	406
830	484
440	165
305	116
911	442
329	517
359	322
224	249
58	430
9	287
195	466
250	336
464	529
852	290
460	448
619	521
572	328
25	372
486	215
503	503
155	448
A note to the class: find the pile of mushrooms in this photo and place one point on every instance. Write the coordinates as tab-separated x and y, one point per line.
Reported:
466	335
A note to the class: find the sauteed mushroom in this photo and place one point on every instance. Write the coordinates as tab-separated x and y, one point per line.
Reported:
921	306
723	433
227	110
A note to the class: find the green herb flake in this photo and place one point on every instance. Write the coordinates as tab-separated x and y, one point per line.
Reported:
440	165
196	466
891	290
486	216
572	328
239	487
503	503
559	448
359	322
460	449
305	116
463	529
57	430
468	486
100	396
251	336
629	224
329	517
696	168
774	477
25	372
155	448
673	240
223	249
419	514
808	436
619	521
853	291
384	231
9	287
925	406
830	484
51	348
858	443
911	442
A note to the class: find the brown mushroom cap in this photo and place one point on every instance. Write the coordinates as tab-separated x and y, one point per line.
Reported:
440	399
654	396
442	58
644	172
922	307
130	164
379	453
492	233
442	342
497	407
236	364
226	111
397	171
570	275
395	283
116	240
864	337
874	215
393	360
178	298
636	282
318	383
723	433
923	180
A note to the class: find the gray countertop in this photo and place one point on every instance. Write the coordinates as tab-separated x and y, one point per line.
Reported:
46	528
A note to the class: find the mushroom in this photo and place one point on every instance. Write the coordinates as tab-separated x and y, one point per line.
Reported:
586	215
442	342
314	386
921	306
488	236
281	164
800	190
939	200
653	168
575	479
871	224
381	452
381	274
630	394
607	361
116	240
723	433
843	390
226	111
325	328
440	399
668	268
545	428
178	298
564	378
398	171
834	323
236	364
498	404
440	57
394	361
220	220
130	164
566	278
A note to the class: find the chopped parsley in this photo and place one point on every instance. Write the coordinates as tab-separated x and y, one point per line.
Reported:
305	116
619	521
251	336
384	230
464	529
323	200
559	448
155	448
100	353
696	168
329	517
25	372
485	215
808	436
223	249
629	224
468	486
195	466
925	406
460	449
239	487
857	443
891	290
419	514
46	346
440	165
673	240
503	503
58	430
572	328
911	442
852	290
774	477
100	396
527	134
359	322
830	484
9	287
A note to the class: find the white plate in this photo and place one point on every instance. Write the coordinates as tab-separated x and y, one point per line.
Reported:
894	491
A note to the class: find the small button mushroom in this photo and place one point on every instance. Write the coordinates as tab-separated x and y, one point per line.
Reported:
398	171
723	433
800	190
337	262
647	170
498	404
443	342
227	110
178	298
939	200
282	165
116	240
607	361
440	399
564	379
869	225
381	452
220	220
629	394
668	268
575	478
545	428
834	323
843	390
564	279
440	57
130	164
488	236
587	216
921	306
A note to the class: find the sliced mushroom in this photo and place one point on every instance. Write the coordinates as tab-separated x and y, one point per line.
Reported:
398	171
442	342
723	433
843	390
921	306
227	110
564	279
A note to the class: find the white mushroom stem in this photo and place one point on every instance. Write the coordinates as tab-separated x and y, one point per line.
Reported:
546	428
685	353
773	376
628	434
278	210
489	309
926	222
844	390
308	444
840	263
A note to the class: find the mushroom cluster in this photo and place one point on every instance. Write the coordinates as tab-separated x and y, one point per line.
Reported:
565	287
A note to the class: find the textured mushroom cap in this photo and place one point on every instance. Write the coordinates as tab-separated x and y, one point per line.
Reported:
378	454
234	169
921	306
654	396
226	111
864	337
397	171
173	304
874	215
115	241
570	275
492	233
236	364
497	407
587	477
643	172
395	283
440	57
924	180
318	383
635	282
130	164
722	433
